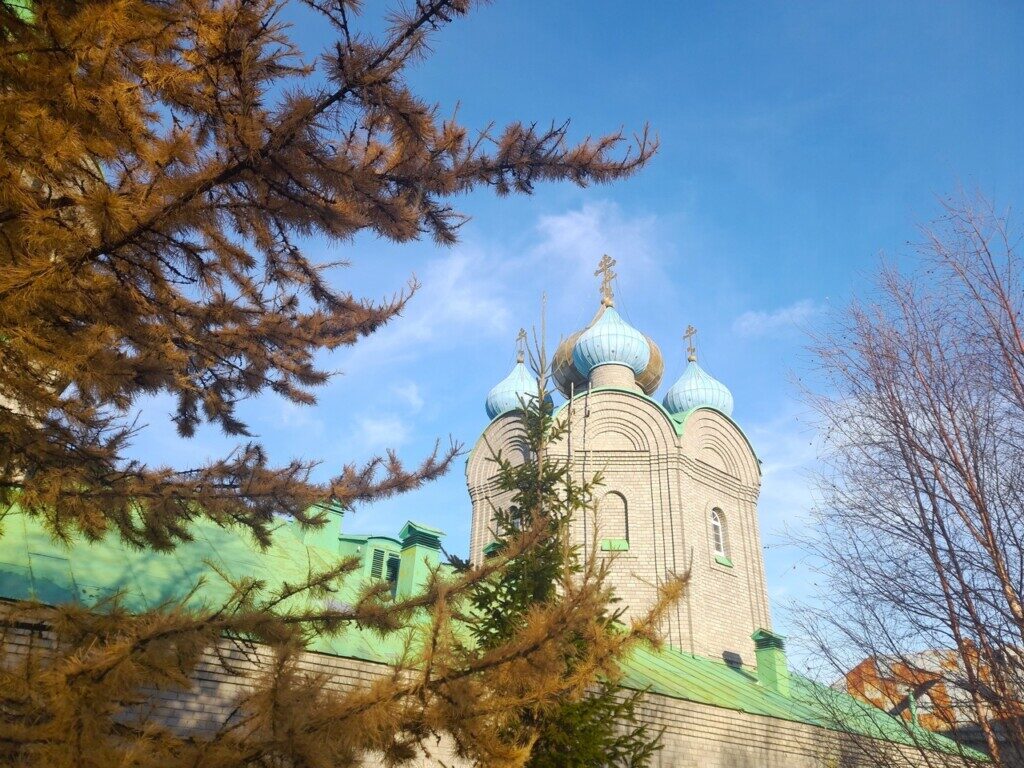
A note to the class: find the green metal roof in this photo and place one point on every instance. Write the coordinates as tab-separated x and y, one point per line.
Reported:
670	672
33	565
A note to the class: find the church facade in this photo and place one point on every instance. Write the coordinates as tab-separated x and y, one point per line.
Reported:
679	487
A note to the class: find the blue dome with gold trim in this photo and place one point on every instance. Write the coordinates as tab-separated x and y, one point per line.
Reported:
611	340
512	392
696	388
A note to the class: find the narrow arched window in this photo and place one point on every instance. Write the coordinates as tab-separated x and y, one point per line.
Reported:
718	536
613	522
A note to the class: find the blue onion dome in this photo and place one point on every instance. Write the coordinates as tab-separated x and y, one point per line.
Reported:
607	339
696	388
516	389
567	377
510	393
611	340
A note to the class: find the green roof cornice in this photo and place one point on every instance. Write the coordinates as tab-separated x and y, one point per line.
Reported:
677	422
682	418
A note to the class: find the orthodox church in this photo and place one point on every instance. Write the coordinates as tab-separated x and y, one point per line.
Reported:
679	480
679	490
679	493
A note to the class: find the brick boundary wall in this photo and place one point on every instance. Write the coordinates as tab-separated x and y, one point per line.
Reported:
695	735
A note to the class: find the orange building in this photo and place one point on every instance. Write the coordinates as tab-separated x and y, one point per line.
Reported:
930	689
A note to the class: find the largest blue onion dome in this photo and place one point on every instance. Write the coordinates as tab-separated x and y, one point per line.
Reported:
696	388
515	390
611	340
608	339
568	378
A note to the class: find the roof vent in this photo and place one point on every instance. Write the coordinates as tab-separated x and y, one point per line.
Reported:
418	534
772	668
421	555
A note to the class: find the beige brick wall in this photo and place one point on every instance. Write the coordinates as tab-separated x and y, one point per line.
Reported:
695	735
701	736
224	676
670	484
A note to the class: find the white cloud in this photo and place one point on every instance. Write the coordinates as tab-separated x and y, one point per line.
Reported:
571	244
480	293
460	298
294	416
378	432
757	323
583	235
788	448
409	393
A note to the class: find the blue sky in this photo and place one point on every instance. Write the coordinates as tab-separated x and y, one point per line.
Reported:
799	142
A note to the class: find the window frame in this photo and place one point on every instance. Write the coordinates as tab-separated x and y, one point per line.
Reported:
719	534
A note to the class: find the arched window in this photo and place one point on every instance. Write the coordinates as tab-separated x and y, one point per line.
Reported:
718	533
613	522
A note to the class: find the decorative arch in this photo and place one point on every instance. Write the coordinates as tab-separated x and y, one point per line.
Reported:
624	421
713	439
506	435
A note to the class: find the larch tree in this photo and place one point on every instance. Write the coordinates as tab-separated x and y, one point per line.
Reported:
161	164
920	528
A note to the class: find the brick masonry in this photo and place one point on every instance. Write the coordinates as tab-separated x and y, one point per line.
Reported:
669	484
695	735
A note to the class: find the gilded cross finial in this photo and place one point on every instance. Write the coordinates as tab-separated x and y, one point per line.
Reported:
607	274
521	346
691	349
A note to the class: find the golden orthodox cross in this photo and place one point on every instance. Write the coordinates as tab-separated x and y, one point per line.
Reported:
607	274
691	349
521	346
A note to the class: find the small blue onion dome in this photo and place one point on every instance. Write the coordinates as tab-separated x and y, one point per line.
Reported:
696	388
611	340
510	393
517	389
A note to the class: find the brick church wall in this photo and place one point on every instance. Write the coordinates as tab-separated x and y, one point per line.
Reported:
670	484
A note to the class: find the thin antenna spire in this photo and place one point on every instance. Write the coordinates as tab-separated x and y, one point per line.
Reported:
607	274
691	348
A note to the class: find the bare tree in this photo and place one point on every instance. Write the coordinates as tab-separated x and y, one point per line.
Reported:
920	528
